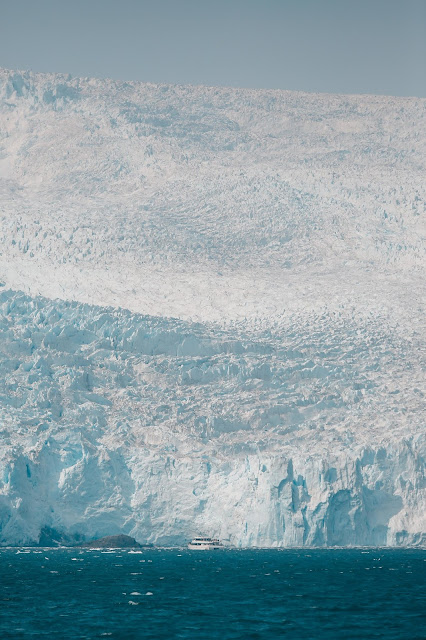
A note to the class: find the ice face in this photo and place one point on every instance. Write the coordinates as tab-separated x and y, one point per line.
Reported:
249	358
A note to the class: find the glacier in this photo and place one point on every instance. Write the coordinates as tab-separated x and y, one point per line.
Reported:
212	314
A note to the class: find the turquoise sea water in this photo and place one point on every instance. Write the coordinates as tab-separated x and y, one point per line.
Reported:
248	594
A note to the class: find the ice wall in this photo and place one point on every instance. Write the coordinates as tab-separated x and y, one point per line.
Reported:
375	498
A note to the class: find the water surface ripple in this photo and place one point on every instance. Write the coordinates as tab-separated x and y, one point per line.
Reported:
247	594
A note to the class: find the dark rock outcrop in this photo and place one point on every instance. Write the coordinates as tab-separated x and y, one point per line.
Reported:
113	542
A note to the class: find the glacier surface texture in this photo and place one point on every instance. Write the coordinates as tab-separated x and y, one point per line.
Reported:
212	314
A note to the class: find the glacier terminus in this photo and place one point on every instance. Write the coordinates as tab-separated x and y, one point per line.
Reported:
212	314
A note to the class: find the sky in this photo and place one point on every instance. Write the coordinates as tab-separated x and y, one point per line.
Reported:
332	46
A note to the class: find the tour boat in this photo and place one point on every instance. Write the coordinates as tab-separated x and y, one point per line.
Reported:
204	544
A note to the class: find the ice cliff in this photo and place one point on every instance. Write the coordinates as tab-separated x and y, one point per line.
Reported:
212	314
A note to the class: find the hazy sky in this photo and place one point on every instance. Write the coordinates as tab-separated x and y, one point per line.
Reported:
340	46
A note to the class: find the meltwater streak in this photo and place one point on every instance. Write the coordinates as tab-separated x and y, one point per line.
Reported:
71	593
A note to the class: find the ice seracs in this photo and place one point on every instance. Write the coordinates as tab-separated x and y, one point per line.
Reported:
310	433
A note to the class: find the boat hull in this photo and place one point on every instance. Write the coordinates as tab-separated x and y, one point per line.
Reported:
203	547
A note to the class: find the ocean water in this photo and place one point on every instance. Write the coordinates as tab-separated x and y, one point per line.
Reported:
247	594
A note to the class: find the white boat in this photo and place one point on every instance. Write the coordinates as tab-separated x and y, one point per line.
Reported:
204	544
